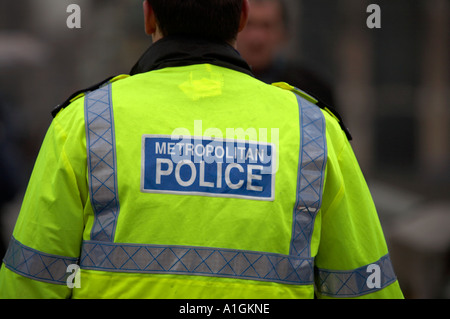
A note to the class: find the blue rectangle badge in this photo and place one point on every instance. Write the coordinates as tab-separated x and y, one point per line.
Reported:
188	165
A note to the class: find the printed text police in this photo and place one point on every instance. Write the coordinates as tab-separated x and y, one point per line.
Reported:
221	168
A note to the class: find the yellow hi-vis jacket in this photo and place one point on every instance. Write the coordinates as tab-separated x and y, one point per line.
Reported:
196	181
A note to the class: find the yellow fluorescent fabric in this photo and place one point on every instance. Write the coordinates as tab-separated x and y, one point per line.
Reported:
98	283
200	221
201	100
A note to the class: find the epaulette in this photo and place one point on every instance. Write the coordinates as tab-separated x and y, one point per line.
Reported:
81	93
317	102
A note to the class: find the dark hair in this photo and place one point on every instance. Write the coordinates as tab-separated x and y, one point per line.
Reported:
216	19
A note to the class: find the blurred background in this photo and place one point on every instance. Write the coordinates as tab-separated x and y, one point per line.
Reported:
390	84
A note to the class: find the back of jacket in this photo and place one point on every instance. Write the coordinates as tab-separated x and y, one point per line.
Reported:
197	181
223	216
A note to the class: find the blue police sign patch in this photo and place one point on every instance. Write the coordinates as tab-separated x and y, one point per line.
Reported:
188	165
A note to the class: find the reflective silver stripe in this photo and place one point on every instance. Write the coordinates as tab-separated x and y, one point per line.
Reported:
354	283
37	265
311	172
101	154
201	261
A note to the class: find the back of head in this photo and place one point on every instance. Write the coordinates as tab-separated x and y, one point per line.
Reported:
214	19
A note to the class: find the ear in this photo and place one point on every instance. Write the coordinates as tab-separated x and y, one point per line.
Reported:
244	15
149	18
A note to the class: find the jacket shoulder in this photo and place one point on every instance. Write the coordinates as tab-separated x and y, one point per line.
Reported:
318	102
78	94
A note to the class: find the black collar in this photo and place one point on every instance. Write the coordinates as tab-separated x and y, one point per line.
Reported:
175	51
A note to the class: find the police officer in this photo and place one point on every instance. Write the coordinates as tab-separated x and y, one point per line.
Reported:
189	178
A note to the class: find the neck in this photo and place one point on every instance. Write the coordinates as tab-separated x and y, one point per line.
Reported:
156	36
172	51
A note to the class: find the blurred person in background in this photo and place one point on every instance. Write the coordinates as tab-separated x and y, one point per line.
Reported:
262	42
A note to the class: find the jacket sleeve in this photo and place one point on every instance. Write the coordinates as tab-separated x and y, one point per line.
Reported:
352	260
48	233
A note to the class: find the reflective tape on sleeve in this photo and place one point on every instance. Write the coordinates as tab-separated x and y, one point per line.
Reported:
356	282
37	265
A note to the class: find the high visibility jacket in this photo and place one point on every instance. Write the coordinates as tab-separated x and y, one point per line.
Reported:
195	180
